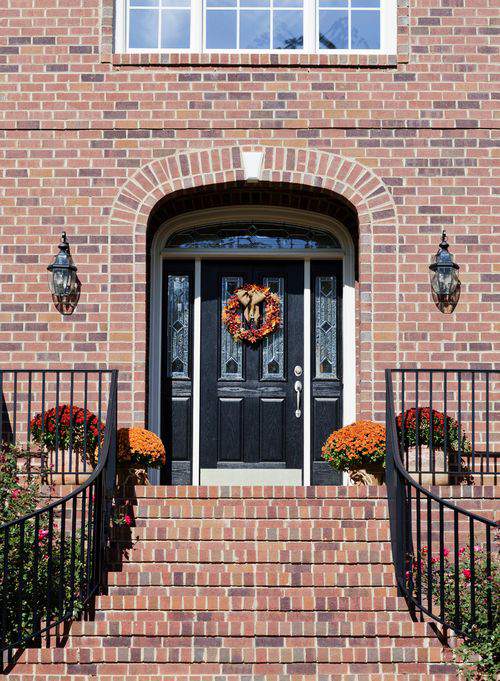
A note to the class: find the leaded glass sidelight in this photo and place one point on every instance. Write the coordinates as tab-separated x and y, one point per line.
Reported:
178	325
273	349
326	327
231	352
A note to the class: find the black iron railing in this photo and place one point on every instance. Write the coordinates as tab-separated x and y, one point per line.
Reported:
57	427
441	429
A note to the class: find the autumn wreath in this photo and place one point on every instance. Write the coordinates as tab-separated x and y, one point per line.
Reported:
245	326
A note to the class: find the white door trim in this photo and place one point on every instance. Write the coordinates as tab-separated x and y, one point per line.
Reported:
273	213
306	408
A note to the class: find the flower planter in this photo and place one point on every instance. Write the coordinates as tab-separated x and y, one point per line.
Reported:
129	474
371	475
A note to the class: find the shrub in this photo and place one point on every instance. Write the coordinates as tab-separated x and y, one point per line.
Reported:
444	429
45	574
356	446
478	654
140	447
66	427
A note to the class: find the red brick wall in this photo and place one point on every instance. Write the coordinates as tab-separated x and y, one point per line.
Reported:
78	135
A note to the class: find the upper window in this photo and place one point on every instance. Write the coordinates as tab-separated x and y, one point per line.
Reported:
256	235
256	25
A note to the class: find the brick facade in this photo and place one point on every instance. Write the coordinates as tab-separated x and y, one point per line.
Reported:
90	142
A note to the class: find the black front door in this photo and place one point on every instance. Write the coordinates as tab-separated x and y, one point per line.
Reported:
249	416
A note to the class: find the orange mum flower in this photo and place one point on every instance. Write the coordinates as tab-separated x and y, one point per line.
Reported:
140	446
355	446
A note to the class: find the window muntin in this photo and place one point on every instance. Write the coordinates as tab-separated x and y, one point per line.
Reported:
322	26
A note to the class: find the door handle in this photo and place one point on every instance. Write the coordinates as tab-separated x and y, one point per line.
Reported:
298	390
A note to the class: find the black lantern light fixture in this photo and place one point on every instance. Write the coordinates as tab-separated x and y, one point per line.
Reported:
445	283
64	284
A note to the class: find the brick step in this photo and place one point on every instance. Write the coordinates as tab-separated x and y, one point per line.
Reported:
280	509
246	493
250	623
259	552
299	671
239	650
351	592
256	530
248	574
267	598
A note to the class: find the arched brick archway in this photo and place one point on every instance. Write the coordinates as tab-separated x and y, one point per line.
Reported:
378	242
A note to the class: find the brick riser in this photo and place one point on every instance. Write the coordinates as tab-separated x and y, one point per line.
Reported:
259	584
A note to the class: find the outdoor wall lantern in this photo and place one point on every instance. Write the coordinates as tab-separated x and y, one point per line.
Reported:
445	283
64	284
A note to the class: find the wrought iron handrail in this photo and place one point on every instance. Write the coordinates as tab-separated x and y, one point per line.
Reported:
52	559
443	553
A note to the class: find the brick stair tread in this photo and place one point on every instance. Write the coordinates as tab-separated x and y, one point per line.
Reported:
238	650
332	552
254	530
354	592
249	623
252	574
354	671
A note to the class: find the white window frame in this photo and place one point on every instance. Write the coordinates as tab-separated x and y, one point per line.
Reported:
388	32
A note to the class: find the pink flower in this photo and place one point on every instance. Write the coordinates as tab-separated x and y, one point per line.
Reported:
478	547
127	519
446	553
42	534
15	493
461	550
466	573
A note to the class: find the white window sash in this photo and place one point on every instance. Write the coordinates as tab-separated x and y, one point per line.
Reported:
388	31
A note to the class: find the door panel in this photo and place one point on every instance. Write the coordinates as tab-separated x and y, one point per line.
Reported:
177	363
247	392
326	364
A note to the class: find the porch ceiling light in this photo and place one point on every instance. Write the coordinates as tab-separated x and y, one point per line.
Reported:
445	283
64	284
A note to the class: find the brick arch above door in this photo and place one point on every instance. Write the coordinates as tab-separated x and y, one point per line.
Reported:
346	177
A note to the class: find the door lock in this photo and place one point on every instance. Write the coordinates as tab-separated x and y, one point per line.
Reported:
298	371
298	390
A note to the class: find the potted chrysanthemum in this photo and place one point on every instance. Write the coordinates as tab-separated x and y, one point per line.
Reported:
138	449
358	449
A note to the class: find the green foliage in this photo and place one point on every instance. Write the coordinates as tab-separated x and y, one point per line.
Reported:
42	571
476	613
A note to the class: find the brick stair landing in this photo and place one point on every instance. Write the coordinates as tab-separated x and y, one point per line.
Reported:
248	584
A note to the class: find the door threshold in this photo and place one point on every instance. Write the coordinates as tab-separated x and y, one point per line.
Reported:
251	476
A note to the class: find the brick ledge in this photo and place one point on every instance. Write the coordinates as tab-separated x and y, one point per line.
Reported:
244	59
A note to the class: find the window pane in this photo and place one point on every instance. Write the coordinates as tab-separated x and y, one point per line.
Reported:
221	3
143	3
178	326
176	3
365	30
287	3
254	3
288	30
143	31
333	3
252	235
273	350
333	30
254	30
221	29
365	3
326	327
175	25
231	357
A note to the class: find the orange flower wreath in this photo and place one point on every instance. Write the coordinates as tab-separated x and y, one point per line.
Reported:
233	321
